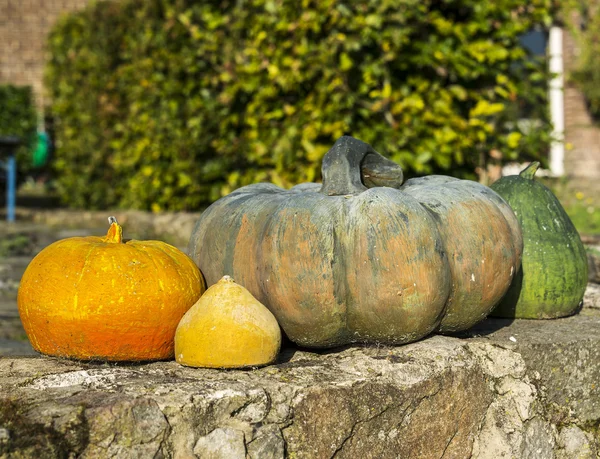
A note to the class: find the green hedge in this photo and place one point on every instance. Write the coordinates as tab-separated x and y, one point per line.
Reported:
169	104
18	117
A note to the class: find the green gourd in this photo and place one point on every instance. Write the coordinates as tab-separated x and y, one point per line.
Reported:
553	274
364	257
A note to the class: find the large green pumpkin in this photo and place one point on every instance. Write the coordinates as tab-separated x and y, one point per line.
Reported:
553	276
363	258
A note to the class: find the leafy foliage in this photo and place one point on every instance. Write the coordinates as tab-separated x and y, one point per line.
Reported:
18	118
169	104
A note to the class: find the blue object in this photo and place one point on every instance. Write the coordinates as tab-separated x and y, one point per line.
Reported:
11	186
8	148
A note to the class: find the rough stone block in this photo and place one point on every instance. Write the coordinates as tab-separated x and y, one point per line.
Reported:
513	389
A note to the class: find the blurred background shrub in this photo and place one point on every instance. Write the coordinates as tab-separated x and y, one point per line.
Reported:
18	117
170	104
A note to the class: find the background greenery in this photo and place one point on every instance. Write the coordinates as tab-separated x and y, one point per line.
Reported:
18	118
580	200
169	104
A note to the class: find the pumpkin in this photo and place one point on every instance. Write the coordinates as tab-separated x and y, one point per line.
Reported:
554	271
103	298
227	328
363	258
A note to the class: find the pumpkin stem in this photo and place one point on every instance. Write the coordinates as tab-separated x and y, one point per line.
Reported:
115	232
352	166
529	171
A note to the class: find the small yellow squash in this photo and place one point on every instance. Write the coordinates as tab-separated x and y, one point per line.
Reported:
227	328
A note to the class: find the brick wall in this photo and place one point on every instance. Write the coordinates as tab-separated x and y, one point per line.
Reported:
24	25
582	136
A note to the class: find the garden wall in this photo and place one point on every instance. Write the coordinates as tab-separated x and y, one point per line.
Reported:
522	389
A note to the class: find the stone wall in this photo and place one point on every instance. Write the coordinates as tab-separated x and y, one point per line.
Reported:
24	25
520	389
172	227
510	389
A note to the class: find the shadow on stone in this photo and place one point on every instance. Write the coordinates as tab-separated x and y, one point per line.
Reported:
27	438
486	327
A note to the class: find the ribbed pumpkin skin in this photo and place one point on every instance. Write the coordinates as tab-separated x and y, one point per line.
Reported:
332	269
553	276
367	266
94	299
482	238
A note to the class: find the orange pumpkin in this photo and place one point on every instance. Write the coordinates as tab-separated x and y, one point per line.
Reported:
102	298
